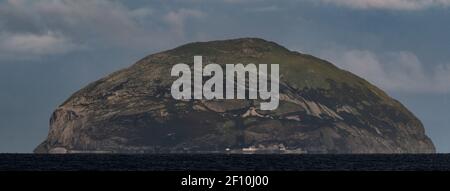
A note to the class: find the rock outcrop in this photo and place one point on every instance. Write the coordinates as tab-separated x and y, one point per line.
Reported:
323	109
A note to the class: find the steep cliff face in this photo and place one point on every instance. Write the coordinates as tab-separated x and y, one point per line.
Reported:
323	109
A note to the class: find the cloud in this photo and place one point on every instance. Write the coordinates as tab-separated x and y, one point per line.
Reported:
142	12
177	19
51	27
389	4
23	46
400	71
270	8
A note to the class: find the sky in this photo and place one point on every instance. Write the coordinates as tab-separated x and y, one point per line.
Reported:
49	48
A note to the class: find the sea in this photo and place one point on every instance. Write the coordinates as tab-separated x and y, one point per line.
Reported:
224	162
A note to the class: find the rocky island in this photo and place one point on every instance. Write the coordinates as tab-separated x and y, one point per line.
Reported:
322	109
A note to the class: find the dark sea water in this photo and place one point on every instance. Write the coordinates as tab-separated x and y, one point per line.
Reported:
199	162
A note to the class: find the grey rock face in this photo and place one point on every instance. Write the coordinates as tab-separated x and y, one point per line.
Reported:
323	109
